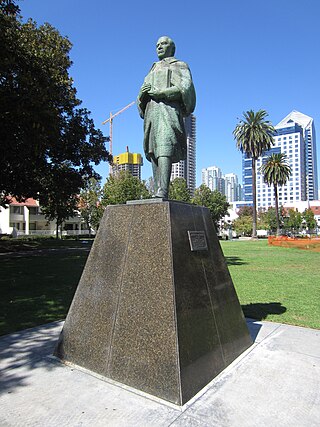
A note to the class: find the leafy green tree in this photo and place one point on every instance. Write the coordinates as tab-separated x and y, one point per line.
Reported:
122	187
308	217
243	225
89	206
42	126
276	171
270	219
178	190
262	223
59	201
245	211
214	201
8	7
254	136
293	220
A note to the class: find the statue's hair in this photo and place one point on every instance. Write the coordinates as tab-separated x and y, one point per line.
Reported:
173	46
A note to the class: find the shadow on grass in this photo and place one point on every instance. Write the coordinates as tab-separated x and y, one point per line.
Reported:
260	311
22	352
234	260
35	290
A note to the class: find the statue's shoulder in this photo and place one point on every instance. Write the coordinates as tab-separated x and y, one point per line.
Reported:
177	63
171	62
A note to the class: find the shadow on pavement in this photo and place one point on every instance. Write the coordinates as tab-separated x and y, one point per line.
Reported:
254	328
26	349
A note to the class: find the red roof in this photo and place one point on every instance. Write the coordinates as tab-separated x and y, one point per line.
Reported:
315	210
27	202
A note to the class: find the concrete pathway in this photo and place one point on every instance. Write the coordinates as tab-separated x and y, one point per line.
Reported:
274	383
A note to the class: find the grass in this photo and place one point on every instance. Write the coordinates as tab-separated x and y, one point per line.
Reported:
38	281
274	283
37	286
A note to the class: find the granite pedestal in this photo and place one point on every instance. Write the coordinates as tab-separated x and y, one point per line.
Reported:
155	308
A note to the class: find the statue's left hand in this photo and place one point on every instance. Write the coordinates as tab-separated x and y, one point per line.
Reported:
155	94
145	88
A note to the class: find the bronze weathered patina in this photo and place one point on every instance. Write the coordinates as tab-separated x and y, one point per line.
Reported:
166	96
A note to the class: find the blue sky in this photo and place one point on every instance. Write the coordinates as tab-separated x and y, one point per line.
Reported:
243	54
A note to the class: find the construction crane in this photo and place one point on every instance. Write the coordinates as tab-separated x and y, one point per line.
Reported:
110	120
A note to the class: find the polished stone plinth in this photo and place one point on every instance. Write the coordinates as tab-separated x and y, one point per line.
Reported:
155	308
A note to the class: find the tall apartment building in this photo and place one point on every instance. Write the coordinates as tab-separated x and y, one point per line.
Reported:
227	184
232	188
187	168
212	178
309	136
127	161
295	137
265	196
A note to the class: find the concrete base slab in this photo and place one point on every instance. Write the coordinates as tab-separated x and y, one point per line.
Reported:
275	382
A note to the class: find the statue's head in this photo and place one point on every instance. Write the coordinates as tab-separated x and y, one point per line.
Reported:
165	47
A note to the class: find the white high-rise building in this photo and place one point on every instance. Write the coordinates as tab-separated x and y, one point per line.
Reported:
295	137
309	136
232	187
212	178
227	184
291	143
187	168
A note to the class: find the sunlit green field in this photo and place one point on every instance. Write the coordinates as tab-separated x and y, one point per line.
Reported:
274	283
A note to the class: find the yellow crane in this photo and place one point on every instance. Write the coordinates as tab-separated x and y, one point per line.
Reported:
110	120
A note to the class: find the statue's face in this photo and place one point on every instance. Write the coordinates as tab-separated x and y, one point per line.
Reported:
164	48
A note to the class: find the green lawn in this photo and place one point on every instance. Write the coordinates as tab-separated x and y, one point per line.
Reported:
274	283
38	281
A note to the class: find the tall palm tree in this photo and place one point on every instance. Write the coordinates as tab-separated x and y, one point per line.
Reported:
276	171
254	135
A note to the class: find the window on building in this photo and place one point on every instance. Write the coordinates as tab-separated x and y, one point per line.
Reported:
33	210
16	210
68	227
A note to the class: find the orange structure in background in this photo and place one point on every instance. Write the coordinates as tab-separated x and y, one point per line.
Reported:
292	242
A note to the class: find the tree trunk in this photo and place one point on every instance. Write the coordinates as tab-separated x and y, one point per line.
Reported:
275	187
57	230
88	226
254	199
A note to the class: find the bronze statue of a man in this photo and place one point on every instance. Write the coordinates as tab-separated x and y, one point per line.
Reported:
166	96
